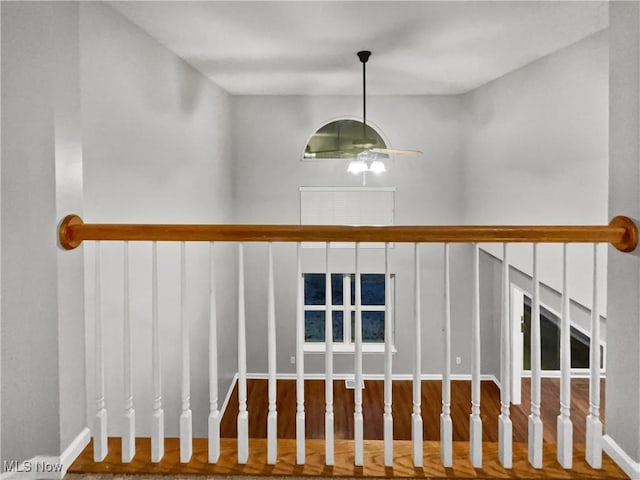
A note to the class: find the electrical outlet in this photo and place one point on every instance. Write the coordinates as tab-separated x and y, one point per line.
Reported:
350	383
292	359
458	360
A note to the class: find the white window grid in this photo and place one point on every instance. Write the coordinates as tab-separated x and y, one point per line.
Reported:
346	308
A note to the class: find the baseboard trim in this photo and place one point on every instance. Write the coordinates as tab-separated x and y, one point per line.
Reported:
620	457
556	374
74	449
50	467
370	376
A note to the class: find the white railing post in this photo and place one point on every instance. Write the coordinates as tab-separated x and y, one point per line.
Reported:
243	416
505	427
157	422
129	432
535	422
186	424
416	416
300	416
564	424
214	413
593	447
475	422
100	446
446	424
272	416
328	364
388	366
358	422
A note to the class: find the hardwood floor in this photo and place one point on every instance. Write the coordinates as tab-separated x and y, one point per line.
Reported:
344	461
373	448
372	398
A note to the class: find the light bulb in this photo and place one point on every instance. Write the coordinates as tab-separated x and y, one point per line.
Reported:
377	167
357	166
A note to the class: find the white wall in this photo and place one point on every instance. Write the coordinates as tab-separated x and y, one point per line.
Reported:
535	152
156	145
623	362
42	310
536	137
269	136
160	143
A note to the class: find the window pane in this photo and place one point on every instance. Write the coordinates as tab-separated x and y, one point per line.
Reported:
314	289
550	343
549	340
372	288
580	345
372	327
353	290
335	140
336	288
314	326
338	327
371	291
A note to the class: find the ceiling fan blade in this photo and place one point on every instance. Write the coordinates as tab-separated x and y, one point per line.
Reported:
351	151
393	151
325	151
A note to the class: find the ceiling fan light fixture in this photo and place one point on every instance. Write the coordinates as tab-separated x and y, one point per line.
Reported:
377	167
357	166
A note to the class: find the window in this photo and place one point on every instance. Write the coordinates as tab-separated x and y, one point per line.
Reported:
343	306
550	342
340	139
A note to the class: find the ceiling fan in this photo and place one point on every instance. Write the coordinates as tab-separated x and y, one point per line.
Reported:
370	157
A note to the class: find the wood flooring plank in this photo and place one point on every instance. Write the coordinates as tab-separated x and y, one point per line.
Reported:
344	461
373	395
373	402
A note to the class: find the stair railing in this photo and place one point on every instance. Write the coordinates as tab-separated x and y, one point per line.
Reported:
621	232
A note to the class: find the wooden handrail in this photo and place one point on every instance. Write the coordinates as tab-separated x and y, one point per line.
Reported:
621	232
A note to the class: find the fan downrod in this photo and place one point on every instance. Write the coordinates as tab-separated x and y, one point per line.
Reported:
364	55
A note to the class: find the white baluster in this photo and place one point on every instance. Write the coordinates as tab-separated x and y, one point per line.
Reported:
157	421
129	432
300	417
186	424
416	416
505	426
328	365
475	422
100	446
243	416
358	425
272	416
535	422
446	424
564	424
388	358
214	413
593	447
346	306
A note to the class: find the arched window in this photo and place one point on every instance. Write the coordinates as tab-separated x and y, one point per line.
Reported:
342	139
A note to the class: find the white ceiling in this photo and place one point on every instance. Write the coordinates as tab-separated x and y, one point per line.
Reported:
308	48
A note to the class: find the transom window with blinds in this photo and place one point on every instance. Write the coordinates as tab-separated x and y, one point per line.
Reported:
345	206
